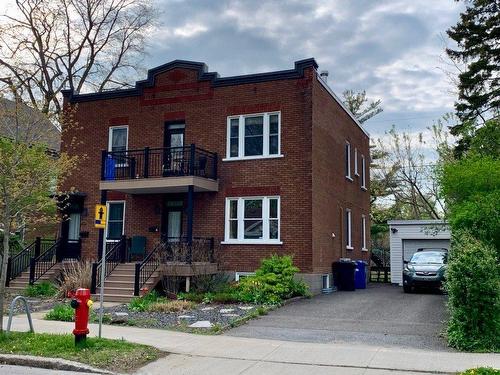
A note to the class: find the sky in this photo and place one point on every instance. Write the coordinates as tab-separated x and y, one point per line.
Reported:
393	49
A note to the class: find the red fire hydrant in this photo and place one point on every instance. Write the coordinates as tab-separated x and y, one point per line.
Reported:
81	302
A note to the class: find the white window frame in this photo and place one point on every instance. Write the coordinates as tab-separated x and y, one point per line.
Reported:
242	275
363	172
106	240
75	218
347	160
363	233
241	137
265	240
348	218
356	172
110	141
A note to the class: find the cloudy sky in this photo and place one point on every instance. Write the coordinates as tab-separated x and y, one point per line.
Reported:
391	48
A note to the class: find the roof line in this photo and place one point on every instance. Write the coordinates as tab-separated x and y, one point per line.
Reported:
203	75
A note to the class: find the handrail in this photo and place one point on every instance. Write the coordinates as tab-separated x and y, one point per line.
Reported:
39	265
181	249
147	267
114	256
158	162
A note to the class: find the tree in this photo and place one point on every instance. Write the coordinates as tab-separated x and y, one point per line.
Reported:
359	105
28	174
478	37
49	45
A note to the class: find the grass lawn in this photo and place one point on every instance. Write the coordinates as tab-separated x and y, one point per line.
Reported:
113	355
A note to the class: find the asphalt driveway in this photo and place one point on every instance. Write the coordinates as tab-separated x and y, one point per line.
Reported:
379	315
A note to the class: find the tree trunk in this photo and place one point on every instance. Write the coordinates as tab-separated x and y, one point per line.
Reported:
3	272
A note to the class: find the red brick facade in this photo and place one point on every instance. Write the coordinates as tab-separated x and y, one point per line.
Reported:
309	178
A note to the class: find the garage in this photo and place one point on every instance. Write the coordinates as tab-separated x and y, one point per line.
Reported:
407	236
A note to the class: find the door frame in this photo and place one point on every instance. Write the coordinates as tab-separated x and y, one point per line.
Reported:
166	210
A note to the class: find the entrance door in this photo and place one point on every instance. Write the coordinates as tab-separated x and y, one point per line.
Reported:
172	220
70	236
174	153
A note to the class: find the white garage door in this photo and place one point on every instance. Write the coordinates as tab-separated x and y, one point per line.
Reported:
410	247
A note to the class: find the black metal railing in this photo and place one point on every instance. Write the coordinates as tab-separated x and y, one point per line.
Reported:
116	252
20	262
147	267
180	249
48	258
158	162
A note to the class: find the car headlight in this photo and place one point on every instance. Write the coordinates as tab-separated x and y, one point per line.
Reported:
409	268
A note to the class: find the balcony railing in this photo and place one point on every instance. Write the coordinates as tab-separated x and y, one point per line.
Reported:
158	162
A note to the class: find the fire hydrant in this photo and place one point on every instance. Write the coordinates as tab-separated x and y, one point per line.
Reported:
81	302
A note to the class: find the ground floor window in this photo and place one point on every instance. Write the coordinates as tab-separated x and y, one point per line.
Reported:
253	220
363	233
115	220
348	229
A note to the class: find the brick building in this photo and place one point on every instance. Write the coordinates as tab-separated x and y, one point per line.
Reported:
262	163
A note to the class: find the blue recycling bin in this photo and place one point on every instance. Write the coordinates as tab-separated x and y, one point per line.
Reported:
109	168
360	275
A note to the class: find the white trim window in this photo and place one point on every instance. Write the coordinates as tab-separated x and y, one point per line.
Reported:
115	220
254	136
348	160
363	172
363	233
118	143
356	171
348	229
253	220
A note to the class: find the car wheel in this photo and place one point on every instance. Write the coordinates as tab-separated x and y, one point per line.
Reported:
407	288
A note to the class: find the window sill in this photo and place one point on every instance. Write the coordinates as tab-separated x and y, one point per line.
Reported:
251	242
348	178
364	188
349	248
253	157
363	249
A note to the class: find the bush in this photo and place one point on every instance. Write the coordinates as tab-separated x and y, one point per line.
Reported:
75	275
473	285
481	371
43	289
273	282
170	306
191	296
140	304
61	312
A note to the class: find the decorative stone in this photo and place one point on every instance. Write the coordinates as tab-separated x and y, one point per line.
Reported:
121	313
246	307
201	324
187	317
225	311
207	309
230	315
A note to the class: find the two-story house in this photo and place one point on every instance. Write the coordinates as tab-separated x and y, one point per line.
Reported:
252	165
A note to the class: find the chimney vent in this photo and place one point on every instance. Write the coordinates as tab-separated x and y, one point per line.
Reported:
324	75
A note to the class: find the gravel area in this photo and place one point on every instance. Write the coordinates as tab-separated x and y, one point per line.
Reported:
202	316
35	304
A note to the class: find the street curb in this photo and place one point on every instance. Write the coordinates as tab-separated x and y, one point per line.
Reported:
49	363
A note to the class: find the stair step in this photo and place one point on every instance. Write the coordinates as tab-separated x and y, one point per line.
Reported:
112	298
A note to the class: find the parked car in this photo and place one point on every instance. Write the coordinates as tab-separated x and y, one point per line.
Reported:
426	268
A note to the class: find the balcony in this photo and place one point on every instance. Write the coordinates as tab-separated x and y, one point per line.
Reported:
159	170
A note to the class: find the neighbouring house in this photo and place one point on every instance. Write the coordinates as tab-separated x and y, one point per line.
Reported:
190	164
407	236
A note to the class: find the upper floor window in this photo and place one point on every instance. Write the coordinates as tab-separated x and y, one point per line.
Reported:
253	136
356	172
253	220
363	172
348	160
363	233
118	138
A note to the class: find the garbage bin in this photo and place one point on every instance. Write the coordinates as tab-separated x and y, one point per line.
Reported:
109	168
343	275
360	275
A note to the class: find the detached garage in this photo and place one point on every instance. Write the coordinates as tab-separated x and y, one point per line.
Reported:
407	236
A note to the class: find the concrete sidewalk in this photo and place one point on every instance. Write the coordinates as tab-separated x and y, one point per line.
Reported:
195	354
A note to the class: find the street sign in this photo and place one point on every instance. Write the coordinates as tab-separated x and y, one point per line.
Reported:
100	216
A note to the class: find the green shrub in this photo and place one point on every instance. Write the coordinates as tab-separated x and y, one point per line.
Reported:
140	304
211	283
43	289
473	285
273	282
61	312
481	371
191	296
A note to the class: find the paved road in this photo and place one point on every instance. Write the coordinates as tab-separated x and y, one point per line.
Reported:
380	315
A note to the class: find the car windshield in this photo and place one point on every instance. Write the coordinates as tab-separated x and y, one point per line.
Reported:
429	257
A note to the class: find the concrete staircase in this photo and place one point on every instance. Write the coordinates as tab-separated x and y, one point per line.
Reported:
119	285
20	283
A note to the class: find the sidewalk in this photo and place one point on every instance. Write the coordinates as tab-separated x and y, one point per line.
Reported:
195	354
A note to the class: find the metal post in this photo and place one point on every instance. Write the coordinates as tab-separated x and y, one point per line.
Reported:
32	271
93	283
146	162
103	164
38	246
192	156
9	271
216	158
190	224
101	294
137	274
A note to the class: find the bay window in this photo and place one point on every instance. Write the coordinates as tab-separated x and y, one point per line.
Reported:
252	220
253	136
